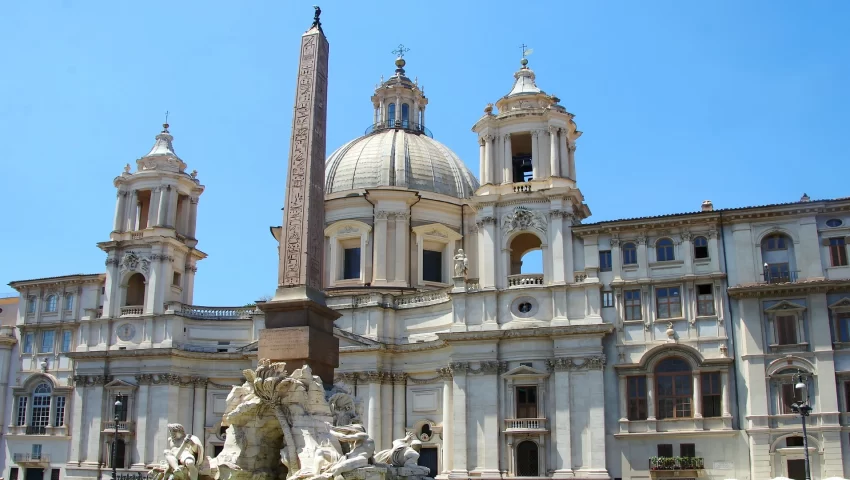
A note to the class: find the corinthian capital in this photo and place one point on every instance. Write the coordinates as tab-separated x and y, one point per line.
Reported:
552	130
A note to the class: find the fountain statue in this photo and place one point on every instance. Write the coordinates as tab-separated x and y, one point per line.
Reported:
283	425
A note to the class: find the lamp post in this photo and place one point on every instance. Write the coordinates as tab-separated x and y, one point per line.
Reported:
802	407
115	439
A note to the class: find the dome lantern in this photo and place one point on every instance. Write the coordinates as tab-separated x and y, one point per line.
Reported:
399	102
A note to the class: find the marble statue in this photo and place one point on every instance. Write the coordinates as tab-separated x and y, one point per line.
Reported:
361	450
461	263
404	453
182	457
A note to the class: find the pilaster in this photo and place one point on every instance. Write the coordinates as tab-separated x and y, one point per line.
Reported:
380	258
507	171
459	463
554	164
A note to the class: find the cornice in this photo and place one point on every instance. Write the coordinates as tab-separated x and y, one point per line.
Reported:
549	332
79	279
755	290
156	352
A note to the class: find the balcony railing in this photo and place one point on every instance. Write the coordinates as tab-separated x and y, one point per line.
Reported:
519	424
676	463
525	280
522	188
123	426
213	313
31	430
404	125
781	276
132	310
31	458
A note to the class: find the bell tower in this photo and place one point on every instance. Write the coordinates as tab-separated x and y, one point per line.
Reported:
151	254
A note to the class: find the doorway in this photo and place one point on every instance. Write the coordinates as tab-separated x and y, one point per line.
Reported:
796	469
428	458
34	474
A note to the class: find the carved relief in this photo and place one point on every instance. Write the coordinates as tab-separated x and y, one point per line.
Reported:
524	219
131	261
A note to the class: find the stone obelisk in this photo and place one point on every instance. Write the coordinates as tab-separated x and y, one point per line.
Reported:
299	325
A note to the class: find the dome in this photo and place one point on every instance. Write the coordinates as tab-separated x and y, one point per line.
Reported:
397	157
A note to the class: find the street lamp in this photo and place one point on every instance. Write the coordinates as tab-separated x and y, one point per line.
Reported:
115	439
804	410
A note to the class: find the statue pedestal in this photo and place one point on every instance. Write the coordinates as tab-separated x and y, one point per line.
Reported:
459	284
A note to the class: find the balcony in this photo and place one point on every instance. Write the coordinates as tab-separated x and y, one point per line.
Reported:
123	426
525	280
132	310
31	430
400	124
772	275
523	425
212	313
31	459
676	467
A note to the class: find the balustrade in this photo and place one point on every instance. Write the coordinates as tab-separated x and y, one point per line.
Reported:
580	277
132	310
522	188
472	285
31	458
515	424
525	280
213	313
123	426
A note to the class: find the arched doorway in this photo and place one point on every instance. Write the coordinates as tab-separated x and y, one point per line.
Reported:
522	246
527	459
135	291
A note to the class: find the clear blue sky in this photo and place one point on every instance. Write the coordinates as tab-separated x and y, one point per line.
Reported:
743	103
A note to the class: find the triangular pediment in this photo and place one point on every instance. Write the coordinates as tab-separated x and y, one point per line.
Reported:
118	385
785	306
524	371
842	304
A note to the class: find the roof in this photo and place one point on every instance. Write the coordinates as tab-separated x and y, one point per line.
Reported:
397	157
62	278
524	82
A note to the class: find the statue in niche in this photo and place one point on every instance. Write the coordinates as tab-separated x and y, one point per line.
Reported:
461	263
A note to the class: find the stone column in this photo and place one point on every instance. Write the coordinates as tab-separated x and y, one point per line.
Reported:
141	422
563	420
556	240
564	160
423	116
487	252
459	465
153	208
569	261
687	252
380	258
78	440
375	118
383	114
490	162
596	423
200	410
397	109
182	223
714	256
129	222
164	196
624	399
193	216
399	404
172	209
492	420
482	160
724	394
402	233
642	257
375	411
697	411
650	397
535	155
554	166
120	205
616	261
507	172
447	420
572	160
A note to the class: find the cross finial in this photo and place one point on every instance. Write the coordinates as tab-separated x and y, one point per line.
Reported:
401	50
166	116
525	50
165	125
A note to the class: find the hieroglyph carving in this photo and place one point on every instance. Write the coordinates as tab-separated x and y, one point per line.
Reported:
301	259
523	219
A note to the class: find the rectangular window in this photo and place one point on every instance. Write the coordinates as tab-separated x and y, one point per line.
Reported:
36	451
838	252
632	304
28	340
669	302
22	411
432	266
69	301
786	329
636	395
175	279
217	449
120	411
607	299
13	473
705	300
526	402
775	242
788	395
629	254
605	261
842	326
665	449
351	263
54	474
847	396
66	341
30	305
47	338
793	441
711	394
700	248
687	450
59	413
40	413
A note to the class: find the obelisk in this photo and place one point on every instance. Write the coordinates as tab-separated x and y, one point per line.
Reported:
299	325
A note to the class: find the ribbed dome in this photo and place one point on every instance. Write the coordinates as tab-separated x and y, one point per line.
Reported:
398	158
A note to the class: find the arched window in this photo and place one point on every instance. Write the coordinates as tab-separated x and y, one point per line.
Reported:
775	242
40	418
31	305
526	459
674	384
405	115
664	250
391	114
629	254
700	247
776	252
50	304
69	301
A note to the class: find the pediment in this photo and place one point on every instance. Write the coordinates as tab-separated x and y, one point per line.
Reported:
348	339
785	306
119	385
843	304
524	371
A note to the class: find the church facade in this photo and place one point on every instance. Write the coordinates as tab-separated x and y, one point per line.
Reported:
644	347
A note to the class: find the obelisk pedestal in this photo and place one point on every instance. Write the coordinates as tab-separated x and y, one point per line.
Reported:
299	325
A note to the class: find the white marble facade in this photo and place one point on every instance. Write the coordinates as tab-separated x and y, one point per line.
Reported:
667	336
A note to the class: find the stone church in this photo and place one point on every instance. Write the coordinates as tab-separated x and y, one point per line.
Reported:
643	347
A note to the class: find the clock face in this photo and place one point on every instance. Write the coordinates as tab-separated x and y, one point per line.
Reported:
126	332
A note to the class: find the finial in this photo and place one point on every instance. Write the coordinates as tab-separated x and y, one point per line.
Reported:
525	52
194	174
401	50
127	168
316	22
805	198
165	125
